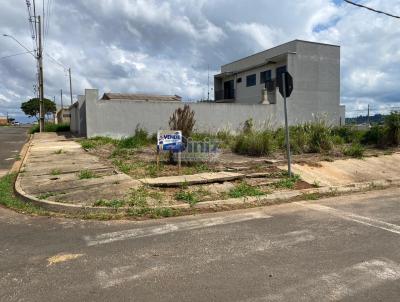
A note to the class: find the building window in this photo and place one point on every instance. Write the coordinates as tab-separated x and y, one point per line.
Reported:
279	72
251	80
265	76
239	80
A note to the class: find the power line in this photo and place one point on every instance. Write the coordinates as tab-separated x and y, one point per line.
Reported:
22	45
17	54
372	9
56	61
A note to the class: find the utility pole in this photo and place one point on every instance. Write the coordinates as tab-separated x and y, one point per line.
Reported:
41	89
368	115
287	138
208	83
62	105
70	83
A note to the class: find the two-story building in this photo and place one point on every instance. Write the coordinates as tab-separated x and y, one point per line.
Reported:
315	68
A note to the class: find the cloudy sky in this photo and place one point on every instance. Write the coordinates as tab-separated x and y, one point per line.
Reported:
165	46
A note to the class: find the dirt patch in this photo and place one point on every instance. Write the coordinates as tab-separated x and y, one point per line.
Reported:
301	184
346	171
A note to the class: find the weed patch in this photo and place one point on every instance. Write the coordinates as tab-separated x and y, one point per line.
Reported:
188	197
244	189
355	150
286	183
55	172
8	199
138	197
46	195
114	203
254	143
310	196
139	139
86	174
98	141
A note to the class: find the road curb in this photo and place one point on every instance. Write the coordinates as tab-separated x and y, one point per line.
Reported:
298	194
277	197
16	167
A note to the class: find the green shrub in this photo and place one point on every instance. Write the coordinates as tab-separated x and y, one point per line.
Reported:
392	124
375	136
337	140
354	150
256	143
299	139
139	139
349	134
320	139
244	189
50	127
225	137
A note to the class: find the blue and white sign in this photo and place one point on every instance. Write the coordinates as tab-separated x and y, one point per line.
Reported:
169	140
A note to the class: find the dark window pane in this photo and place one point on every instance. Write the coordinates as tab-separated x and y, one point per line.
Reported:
265	76
239	80
251	80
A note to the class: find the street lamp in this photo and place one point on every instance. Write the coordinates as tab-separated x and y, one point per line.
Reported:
39	58
22	45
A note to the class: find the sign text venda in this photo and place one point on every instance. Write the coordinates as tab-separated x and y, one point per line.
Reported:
169	140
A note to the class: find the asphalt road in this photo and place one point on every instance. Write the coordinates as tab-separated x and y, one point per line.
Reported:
11	141
337	249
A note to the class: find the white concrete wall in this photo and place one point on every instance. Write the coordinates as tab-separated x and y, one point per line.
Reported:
118	118
74	125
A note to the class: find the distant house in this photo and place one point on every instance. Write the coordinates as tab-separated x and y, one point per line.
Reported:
315	68
63	116
3	121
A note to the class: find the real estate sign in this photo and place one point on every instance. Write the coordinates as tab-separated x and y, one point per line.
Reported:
169	140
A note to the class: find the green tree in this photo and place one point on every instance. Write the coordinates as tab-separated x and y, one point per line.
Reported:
31	107
392	123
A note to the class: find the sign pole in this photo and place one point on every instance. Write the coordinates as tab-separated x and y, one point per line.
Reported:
158	159
286	125
179	162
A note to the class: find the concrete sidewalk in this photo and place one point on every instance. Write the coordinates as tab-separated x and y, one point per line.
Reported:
52	169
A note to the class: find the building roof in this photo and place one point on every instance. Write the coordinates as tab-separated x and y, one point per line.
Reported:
141	97
261	58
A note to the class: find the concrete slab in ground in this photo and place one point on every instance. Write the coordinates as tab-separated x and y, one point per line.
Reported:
52	169
201	178
343	172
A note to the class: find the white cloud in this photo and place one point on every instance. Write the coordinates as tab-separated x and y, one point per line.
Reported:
166	46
